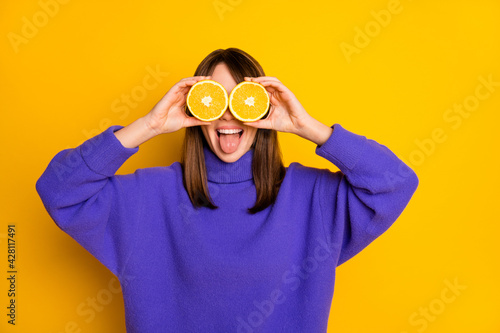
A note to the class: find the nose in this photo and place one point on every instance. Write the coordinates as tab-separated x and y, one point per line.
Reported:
227	115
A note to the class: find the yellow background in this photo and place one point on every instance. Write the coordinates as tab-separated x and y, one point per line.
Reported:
60	86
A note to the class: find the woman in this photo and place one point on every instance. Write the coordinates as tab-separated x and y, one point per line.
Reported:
228	240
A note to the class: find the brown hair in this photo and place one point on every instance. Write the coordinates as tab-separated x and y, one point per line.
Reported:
267	166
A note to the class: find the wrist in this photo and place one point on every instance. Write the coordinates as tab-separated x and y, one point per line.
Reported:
151	129
315	131
135	134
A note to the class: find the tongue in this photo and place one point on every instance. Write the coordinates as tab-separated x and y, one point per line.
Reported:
229	142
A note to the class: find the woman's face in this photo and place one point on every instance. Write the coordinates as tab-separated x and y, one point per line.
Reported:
228	147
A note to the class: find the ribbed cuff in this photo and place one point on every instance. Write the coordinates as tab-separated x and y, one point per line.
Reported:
343	148
104	153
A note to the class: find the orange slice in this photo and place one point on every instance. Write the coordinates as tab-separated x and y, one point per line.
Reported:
207	100
249	101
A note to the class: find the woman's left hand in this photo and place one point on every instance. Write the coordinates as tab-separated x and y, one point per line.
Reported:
286	114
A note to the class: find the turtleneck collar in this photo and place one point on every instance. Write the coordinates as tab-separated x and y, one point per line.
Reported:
219	171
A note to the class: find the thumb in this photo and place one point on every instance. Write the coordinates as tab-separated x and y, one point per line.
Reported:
192	121
259	124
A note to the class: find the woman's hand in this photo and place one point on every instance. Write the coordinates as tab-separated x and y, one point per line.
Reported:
286	114
168	114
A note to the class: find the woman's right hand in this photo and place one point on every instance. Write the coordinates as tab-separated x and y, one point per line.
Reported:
168	114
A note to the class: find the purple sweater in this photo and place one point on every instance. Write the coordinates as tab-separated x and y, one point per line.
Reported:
187	270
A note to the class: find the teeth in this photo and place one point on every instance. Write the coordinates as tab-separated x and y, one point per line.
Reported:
229	131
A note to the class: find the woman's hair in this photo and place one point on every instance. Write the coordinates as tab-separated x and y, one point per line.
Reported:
267	167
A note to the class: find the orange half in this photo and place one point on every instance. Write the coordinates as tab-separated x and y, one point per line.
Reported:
249	101
207	100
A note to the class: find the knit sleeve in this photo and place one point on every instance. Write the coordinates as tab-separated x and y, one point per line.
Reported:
367	195
87	201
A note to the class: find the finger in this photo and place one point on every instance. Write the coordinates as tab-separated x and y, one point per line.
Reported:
273	100
272	84
195	78
192	121
278	86
202	123
199	77
190	81
268	87
263	123
184	92
187	83
264	78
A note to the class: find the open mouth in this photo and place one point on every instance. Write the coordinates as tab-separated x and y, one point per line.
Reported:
229	139
225	132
